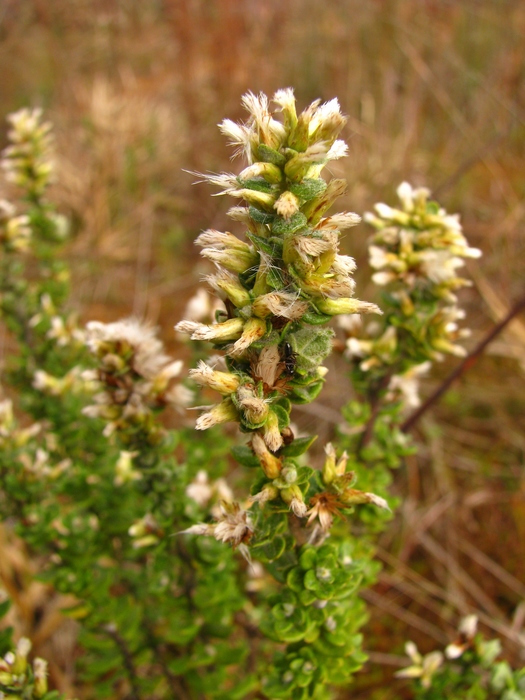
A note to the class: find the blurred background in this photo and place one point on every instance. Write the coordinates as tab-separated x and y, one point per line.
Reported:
434	91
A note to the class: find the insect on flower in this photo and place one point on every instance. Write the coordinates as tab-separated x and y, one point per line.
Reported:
290	360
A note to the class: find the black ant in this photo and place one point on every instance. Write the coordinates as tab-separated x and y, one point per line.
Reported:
290	360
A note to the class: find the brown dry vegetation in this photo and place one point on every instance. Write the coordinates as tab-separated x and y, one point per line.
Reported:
435	93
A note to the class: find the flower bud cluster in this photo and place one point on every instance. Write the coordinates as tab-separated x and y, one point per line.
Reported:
145	532
15	233
418	245
291	266
76	381
24	455
280	284
18	678
64	330
27	161
135	378
339	493
415	251
13	437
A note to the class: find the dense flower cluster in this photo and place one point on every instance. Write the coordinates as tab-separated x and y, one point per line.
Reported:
280	284
10	435
419	245
15	233
415	251
135	377
27	161
18	678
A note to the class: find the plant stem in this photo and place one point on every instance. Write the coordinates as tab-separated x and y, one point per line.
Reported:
467	363
375	405
127	658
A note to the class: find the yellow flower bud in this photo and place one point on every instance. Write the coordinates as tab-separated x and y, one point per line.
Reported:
223	382
253	329
334	307
270	464
220	413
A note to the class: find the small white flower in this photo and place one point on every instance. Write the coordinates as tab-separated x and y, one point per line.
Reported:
233	526
407	384
469	626
339	222
287	205
339	149
200	489
285	98
124	471
298	507
226	181
423	667
240	135
406	195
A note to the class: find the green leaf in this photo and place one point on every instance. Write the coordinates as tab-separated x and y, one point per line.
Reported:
298	447
287	632
307	597
306	394
284	402
181	635
308	188
282	226
295	580
247	278
244	456
258	184
262	244
270	550
304	474
180	666
308	558
282	416
314	318
270	155
312	346
260	216
275	278
4	607
433	207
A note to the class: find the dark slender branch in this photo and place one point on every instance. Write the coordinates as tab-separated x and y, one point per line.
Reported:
127	657
178	685
467	363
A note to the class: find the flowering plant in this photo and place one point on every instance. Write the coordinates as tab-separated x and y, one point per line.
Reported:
137	526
